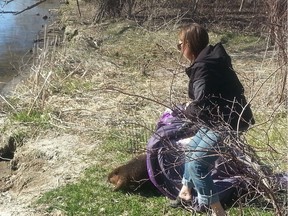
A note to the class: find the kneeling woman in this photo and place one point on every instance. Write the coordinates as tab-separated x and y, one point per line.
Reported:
218	106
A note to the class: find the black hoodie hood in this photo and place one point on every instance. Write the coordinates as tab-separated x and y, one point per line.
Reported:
215	56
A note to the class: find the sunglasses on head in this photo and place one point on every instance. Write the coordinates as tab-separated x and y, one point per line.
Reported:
179	45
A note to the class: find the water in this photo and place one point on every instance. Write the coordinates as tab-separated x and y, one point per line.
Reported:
18	32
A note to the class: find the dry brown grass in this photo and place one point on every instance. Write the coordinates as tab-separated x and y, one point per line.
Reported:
123	71
112	74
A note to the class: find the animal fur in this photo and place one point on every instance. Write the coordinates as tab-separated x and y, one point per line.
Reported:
131	175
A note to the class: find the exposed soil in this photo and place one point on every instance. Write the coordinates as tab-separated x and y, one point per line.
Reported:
40	165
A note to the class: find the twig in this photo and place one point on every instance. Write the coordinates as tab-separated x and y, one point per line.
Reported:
256	92
30	7
7	102
78	7
5	159
40	92
135	95
8	12
8	1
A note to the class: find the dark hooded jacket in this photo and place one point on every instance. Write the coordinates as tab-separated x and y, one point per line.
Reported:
216	92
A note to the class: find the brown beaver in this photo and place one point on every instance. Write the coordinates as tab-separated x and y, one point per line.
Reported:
132	175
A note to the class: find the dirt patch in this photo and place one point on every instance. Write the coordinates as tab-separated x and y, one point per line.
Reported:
42	165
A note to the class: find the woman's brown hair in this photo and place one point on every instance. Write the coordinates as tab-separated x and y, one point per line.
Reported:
195	36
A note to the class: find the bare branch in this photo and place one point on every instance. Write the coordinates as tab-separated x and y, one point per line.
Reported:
30	7
78	6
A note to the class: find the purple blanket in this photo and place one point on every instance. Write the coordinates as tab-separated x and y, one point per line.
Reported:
165	163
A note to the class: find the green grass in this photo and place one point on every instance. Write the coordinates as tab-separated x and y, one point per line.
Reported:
72	86
93	195
137	49
127	137
238	42
36	117
269	139
250	211
132	49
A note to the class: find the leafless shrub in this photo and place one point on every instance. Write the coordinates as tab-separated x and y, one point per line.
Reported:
256	174
259	185
112	8
212	12
277	25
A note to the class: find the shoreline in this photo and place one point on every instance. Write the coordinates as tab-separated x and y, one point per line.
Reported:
53	30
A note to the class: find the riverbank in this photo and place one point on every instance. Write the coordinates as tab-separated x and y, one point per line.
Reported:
103	80
18	36
27	167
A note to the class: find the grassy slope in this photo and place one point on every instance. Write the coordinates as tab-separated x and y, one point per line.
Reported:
101	93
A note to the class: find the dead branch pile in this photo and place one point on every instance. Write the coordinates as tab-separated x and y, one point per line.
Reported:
263	188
